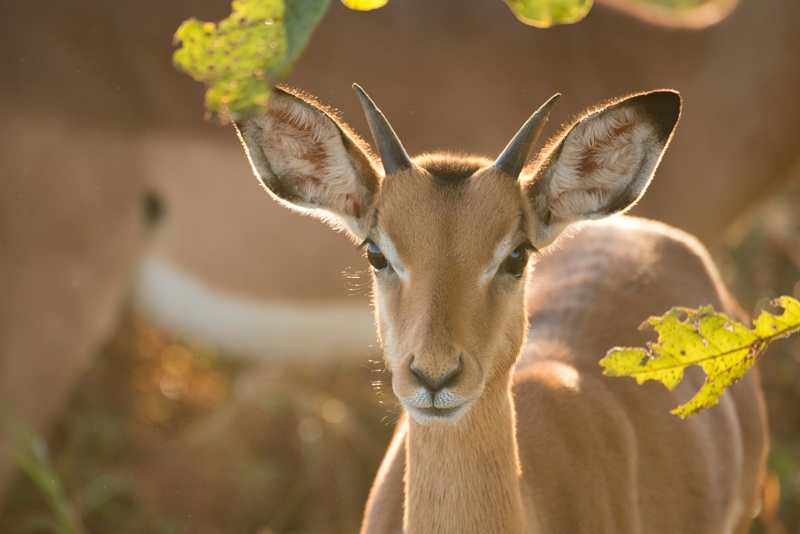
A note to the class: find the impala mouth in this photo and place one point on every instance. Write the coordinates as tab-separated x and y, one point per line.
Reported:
436	415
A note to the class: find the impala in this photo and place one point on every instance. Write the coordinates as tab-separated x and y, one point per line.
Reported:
508	432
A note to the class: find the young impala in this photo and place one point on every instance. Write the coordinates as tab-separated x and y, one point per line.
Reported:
508	432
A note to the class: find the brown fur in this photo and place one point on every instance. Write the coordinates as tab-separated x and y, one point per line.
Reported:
526	435
600	454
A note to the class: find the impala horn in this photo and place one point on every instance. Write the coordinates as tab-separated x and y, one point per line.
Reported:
515	155
391	151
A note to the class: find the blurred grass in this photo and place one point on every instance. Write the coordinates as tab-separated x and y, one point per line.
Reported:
165	438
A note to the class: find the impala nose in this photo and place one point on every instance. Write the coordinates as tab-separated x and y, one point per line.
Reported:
439	381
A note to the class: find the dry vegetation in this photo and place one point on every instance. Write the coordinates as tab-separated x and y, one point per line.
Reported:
165	438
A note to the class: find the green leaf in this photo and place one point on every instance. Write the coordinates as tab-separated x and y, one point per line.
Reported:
547	13
723	348
239	58
301	19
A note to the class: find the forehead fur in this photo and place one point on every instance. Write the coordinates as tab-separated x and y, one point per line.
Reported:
451	169
421	213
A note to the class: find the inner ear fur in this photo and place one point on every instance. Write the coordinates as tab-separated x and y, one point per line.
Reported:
602	163
310	161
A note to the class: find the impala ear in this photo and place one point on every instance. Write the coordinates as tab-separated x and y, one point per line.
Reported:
603	163
310	162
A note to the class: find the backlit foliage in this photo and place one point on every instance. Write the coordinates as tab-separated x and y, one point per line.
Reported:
364	5
546	13
240	57
723	348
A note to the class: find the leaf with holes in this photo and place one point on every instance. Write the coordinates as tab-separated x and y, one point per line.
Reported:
239	57
723	348
547	13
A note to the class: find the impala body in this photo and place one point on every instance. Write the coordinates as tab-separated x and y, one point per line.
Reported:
508	432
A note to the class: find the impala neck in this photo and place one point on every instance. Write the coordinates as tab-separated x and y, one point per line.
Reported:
464	478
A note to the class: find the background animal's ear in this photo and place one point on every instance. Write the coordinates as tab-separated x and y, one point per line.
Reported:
310	162
603	163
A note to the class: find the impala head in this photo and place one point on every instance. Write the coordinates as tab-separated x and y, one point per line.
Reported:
449	237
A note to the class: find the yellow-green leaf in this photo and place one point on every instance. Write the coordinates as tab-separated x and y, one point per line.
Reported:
723	348
240	57
230	56
547	13
364	5
767	325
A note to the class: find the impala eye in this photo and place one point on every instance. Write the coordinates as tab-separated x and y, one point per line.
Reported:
376	257
517	260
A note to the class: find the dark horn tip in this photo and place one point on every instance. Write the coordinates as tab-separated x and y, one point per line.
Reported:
513	158
549	104
361	94
391	151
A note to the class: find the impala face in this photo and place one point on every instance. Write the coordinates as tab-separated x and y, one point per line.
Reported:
448	237
449	283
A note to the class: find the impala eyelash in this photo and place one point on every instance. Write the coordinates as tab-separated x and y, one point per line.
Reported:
527	245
